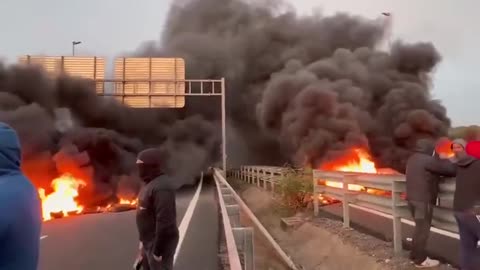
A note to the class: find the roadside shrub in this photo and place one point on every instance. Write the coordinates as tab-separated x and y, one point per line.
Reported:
296	188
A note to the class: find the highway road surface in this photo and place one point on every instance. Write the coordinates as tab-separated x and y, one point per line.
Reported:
110	241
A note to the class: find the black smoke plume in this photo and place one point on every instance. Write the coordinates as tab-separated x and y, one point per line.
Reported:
305	88
65	127
299	89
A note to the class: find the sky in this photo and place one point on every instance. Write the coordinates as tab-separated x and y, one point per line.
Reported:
109	28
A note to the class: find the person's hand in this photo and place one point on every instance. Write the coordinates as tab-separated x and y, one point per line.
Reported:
138	261
157	258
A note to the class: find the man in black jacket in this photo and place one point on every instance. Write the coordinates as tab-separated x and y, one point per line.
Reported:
156	214
422	191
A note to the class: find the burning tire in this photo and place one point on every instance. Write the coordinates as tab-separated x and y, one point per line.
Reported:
56	215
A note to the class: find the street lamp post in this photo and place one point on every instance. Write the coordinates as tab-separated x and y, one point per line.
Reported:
389	26
74	43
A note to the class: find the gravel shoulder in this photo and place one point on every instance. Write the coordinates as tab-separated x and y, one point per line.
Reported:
322	243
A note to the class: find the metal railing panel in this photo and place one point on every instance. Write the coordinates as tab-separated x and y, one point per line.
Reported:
381	193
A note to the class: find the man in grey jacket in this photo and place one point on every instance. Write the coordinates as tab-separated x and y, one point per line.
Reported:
466	204
422	191
156	214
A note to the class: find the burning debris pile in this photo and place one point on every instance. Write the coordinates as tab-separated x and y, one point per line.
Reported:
356	160
62	200
79	149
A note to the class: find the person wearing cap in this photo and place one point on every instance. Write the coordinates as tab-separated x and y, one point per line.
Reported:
466	205
20	208
156	213
422	191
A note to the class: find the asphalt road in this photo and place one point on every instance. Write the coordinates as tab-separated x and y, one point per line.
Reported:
110	240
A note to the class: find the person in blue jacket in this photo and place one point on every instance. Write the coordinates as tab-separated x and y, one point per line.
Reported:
20	208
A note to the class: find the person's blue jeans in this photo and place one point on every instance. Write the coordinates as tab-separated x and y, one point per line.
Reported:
469	229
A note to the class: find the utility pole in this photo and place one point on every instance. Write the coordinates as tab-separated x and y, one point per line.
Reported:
224	134
74	43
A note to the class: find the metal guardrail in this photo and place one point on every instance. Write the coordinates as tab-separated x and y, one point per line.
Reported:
261	175
393	186
221	181
239	239
381	194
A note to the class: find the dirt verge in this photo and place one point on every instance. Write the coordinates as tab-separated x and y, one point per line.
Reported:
322	243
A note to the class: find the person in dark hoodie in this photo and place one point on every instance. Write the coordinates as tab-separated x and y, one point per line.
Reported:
20	208
156	214
466	203
422	191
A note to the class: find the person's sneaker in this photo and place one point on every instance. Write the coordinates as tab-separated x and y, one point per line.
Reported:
428	263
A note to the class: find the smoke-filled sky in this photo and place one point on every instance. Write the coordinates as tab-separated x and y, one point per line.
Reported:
112	27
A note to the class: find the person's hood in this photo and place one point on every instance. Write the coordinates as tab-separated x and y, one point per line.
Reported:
151	164
164	182
425	146
10	150
465	159
461	142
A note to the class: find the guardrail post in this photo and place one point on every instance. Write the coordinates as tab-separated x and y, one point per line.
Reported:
252	172
346	200
225	191
252	176
249	249
282	178
244	240
264	179
258	175
397	218
229	199
272	181
234	214
315	196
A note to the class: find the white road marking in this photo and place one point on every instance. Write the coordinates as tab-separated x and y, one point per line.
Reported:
187	218
43	237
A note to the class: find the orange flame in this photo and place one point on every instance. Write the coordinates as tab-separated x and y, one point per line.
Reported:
129	202
356	160
443	147
62	199
352	187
